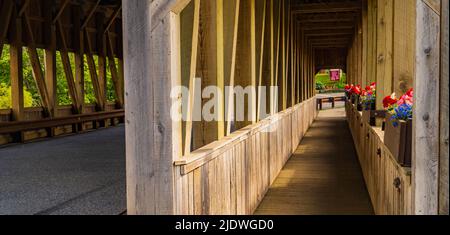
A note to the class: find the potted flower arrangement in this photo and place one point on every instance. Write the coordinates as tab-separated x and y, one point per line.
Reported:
368	102
348	91
398	131
357	92
352	92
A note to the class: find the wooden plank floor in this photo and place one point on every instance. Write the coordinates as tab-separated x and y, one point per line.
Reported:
323	177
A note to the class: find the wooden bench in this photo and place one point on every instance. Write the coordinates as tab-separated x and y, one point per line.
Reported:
332	100
16	129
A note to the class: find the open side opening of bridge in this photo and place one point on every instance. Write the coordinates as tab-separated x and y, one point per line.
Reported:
219	104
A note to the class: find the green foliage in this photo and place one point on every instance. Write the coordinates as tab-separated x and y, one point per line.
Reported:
324	80
5	97
320	85
31	92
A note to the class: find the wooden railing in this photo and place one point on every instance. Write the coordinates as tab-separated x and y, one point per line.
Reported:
17	130
388	183
231	176
332	100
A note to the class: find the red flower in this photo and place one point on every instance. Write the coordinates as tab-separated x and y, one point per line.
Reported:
363	93
389	101
410	93
407	98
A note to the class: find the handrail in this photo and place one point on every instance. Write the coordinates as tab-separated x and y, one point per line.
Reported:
217	148
379	133
20	126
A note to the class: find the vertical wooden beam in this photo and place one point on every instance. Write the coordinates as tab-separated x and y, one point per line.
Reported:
101	46
364	73
444	86
384	50
260	22
247	60
190	71
50	56
278	39
220	68
16	66
272	54
231	23
210	70
79	57
283	95
426	111
404	44
253	78
150	144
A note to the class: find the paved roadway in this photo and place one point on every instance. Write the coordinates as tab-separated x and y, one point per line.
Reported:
80	174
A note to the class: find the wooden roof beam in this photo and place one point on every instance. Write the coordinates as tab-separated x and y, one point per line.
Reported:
328	32
327	17
307	8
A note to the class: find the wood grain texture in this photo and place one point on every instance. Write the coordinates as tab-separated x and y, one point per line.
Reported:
389	185
444	86
149	128
320	180
232	176
426	111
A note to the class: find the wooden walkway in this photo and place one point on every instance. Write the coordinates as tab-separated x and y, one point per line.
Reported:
323	177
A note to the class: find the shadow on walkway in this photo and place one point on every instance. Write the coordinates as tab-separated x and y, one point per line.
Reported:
323	177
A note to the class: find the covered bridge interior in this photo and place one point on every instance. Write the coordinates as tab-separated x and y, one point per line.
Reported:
132	56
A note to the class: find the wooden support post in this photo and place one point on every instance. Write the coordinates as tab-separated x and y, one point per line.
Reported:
152	142
272	54
282	78
247	61
364	38
16	66
50	59
385	32
79	58
231	22
277	77
261	53
189	53
210	70
403	46
426	111
444	86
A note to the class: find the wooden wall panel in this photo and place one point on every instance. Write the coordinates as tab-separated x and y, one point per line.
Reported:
232	176
380	169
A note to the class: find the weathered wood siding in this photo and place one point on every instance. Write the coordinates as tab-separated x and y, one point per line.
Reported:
380	169
231	176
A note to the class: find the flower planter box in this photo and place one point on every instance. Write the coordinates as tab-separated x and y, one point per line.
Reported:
398	139
354	99
359	107
370	116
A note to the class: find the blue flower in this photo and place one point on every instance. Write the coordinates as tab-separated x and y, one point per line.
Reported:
402	112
